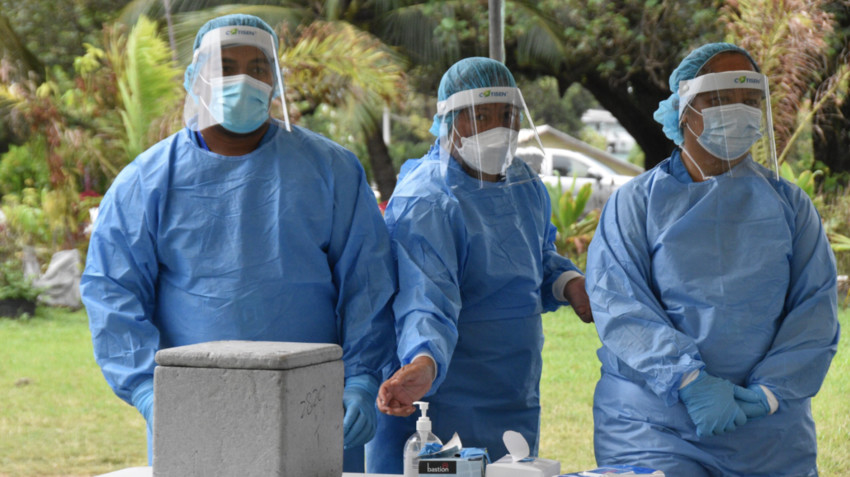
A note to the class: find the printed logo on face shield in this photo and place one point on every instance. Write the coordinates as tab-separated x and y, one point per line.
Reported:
237	31
495	94
744	79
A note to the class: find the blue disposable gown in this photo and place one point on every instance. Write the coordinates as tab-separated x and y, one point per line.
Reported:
476	268
283	244
733	275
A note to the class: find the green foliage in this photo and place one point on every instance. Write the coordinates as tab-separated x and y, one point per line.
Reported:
148	85
339	65
24	166
26	223
614	39
840	243
55	32
13	283
805	180
575	228
836	222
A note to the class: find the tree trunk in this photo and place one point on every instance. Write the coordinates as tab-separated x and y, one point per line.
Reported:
382	164
833	146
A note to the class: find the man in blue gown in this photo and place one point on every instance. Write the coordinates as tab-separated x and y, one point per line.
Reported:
713	289
240	227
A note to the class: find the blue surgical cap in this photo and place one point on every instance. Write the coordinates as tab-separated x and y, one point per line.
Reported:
236	19
470	73
668	110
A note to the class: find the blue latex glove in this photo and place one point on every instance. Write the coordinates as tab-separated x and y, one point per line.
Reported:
361	419
752	400
142	400
711	404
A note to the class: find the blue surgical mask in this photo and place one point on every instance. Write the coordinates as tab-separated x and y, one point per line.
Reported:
730	130
240	103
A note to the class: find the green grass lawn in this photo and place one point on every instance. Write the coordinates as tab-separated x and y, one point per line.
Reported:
58	416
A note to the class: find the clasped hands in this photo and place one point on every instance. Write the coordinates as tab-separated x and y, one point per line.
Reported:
717	406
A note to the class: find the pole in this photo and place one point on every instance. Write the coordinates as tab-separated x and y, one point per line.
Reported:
171	41
497	29
385	129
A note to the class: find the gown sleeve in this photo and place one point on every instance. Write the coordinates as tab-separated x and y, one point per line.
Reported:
118	286
427	241
363	272
807	338
629	318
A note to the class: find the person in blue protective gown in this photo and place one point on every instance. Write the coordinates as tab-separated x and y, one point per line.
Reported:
713	290
241	227
477	265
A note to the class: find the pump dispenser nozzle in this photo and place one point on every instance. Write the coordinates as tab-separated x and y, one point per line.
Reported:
418	441
423	423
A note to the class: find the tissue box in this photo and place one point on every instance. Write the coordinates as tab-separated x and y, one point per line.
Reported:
452	466
531	467
611	470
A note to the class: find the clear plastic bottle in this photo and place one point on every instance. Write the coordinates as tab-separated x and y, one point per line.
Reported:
419	439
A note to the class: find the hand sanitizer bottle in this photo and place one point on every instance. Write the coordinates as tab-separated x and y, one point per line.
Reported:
417	441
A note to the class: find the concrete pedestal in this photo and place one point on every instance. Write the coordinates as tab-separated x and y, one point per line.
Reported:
248	408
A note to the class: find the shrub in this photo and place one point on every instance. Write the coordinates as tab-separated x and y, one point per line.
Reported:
24	166
575	227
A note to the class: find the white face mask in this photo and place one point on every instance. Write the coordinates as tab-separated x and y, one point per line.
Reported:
491	151
729	131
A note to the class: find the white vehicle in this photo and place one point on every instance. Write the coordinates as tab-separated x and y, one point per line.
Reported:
569	164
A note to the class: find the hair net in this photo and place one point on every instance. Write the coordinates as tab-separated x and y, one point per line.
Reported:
668	110
236	19
470	73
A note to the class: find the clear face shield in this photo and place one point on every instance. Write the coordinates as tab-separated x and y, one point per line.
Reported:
479	134
729	116
234	81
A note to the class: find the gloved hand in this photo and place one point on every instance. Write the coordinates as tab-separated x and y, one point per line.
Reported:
361	419
752	400
142	399
711	404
